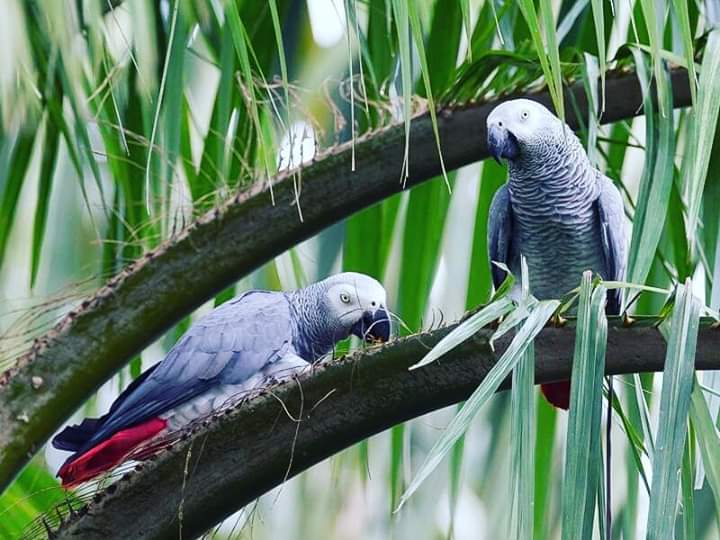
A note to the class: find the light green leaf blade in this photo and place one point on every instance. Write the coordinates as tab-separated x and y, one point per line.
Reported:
523	421
522	433
171	52
553	53
672	420
582	455
551	65
599	20
425	71
686	484
708	442
654	20
656	182
172	106
456	478
644	413
241	41
277	27
544	467
34	493
704	122
402	23
459	425
425	218
398	445
465	7
51	145
466	330
11	182
590	76
212	162
686	33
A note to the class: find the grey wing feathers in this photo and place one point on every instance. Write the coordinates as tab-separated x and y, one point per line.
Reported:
614	238
227	346
500	231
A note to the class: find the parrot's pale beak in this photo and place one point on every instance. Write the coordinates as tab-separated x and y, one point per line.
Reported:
373	326
502	143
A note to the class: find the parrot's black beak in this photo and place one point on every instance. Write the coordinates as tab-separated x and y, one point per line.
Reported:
502	143
373	326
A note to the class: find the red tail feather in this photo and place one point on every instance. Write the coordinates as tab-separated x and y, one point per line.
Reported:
109	453
557	394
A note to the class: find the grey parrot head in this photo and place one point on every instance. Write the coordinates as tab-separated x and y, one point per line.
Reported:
521	125
358	303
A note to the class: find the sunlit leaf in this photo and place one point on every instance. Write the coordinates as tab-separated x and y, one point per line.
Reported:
522	432
47	169
549	57
656	182
545	476
599	20
708	442
654	21
582	453
11	182
402	22
174	52
672	420
704	122
459	425
686	484
681	8
466	329
33	493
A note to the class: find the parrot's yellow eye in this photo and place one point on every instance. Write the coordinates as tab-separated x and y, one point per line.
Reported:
345	298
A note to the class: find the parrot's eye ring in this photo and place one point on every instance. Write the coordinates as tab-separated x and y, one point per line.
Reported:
524	115
345	298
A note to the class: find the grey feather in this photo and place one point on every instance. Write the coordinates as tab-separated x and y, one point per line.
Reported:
612	221
500	233
261	332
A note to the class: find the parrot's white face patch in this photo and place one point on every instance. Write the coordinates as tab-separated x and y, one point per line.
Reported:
353	294
527	120
355	299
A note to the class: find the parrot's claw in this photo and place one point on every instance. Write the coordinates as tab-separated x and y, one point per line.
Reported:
497	322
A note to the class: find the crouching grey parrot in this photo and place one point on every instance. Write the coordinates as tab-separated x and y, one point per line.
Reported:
556	209
241	345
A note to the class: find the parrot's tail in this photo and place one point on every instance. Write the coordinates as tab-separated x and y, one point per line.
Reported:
107	454
557	394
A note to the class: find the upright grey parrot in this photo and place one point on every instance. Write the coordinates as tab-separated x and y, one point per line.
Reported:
557	210
244	343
